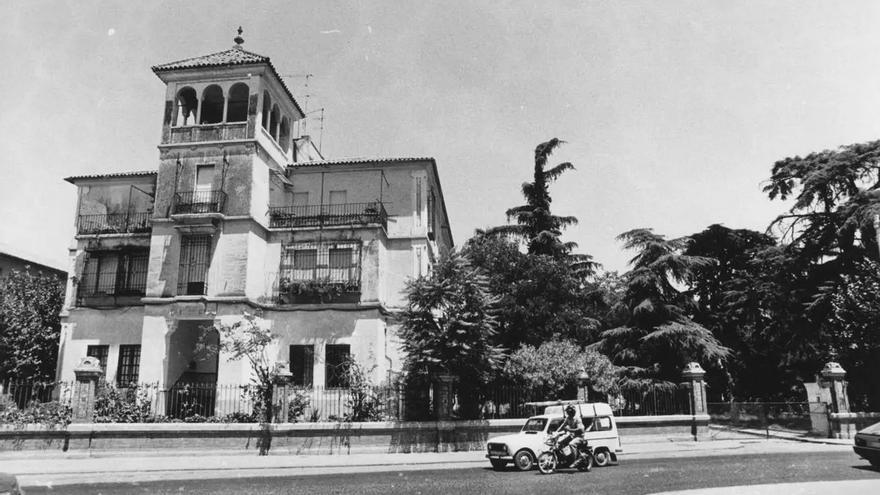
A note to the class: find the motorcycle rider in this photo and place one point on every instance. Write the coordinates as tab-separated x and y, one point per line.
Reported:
575	429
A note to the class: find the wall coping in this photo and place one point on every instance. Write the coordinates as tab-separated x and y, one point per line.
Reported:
327	426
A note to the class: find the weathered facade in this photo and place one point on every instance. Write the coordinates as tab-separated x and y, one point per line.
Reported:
243	214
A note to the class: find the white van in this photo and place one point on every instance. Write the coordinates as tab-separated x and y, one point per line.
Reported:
523	448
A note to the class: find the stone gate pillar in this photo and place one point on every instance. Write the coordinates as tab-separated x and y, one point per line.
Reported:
693	379
833	379
87	372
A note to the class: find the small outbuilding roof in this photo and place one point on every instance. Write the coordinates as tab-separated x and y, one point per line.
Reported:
139	173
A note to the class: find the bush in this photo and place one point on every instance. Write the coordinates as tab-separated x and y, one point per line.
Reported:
298	402
128	405
49	414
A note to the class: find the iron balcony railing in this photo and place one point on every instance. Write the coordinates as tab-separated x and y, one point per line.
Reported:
328	215
199	202
114	223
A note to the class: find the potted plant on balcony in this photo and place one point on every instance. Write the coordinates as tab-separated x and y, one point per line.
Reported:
321	290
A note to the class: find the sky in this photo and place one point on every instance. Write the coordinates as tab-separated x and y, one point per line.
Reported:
673	112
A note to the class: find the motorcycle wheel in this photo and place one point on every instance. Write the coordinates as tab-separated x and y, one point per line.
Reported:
586	465
547	463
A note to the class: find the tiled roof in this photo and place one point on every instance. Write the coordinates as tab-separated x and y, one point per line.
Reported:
355	161
226	58
139	173
233	56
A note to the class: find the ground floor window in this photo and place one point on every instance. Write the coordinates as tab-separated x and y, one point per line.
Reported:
336	361
100	352
302	364
127	373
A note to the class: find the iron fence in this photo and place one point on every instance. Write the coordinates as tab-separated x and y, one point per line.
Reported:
208	401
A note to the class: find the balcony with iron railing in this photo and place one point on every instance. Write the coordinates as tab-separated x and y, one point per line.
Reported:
198	202
114	223
327	215
209	132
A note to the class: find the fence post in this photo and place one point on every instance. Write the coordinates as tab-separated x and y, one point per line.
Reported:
282	377
693	379
87	372
833	378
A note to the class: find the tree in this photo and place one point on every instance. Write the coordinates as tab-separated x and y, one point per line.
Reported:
855	315
535	224
539	297
657	337
30	325
553	369
248	338
836	201
449	326
733	251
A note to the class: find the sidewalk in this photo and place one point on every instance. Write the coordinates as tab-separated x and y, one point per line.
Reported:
53	469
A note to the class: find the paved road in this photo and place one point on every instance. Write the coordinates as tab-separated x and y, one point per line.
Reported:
631	477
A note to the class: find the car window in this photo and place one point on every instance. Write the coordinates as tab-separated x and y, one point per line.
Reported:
535	424
603	424
554	424
872	430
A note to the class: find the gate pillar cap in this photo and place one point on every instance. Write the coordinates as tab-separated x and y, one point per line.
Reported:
89	367
693	371
833	370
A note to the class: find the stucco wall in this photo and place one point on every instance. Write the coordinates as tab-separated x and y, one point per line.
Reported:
84	327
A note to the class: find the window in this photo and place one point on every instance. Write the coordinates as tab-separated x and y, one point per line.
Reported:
302	364
338	197
129	365
194	263
187	107
603	424
555	424
212	105
305	261
204	178
431	216
114	273
337	263
300	199
336	362
100	352
236	108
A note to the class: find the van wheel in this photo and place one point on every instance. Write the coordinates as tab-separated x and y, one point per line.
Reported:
602	457
523	460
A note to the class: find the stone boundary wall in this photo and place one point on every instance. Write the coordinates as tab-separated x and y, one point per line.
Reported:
318	438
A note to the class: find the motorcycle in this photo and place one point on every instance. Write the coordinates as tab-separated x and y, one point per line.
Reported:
560	454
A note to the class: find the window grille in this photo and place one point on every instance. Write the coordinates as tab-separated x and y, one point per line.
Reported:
127	373
336	365
330	262
114	273
302	364
194	263
100	352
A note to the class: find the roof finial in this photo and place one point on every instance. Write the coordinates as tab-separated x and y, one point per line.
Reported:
238	39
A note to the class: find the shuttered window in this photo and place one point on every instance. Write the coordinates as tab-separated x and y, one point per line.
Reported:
194	263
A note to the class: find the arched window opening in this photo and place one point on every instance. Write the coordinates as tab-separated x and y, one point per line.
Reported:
212	105
236	110
187	106
267	107
284	134
273	122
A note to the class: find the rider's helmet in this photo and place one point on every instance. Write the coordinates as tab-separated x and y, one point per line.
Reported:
569	410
